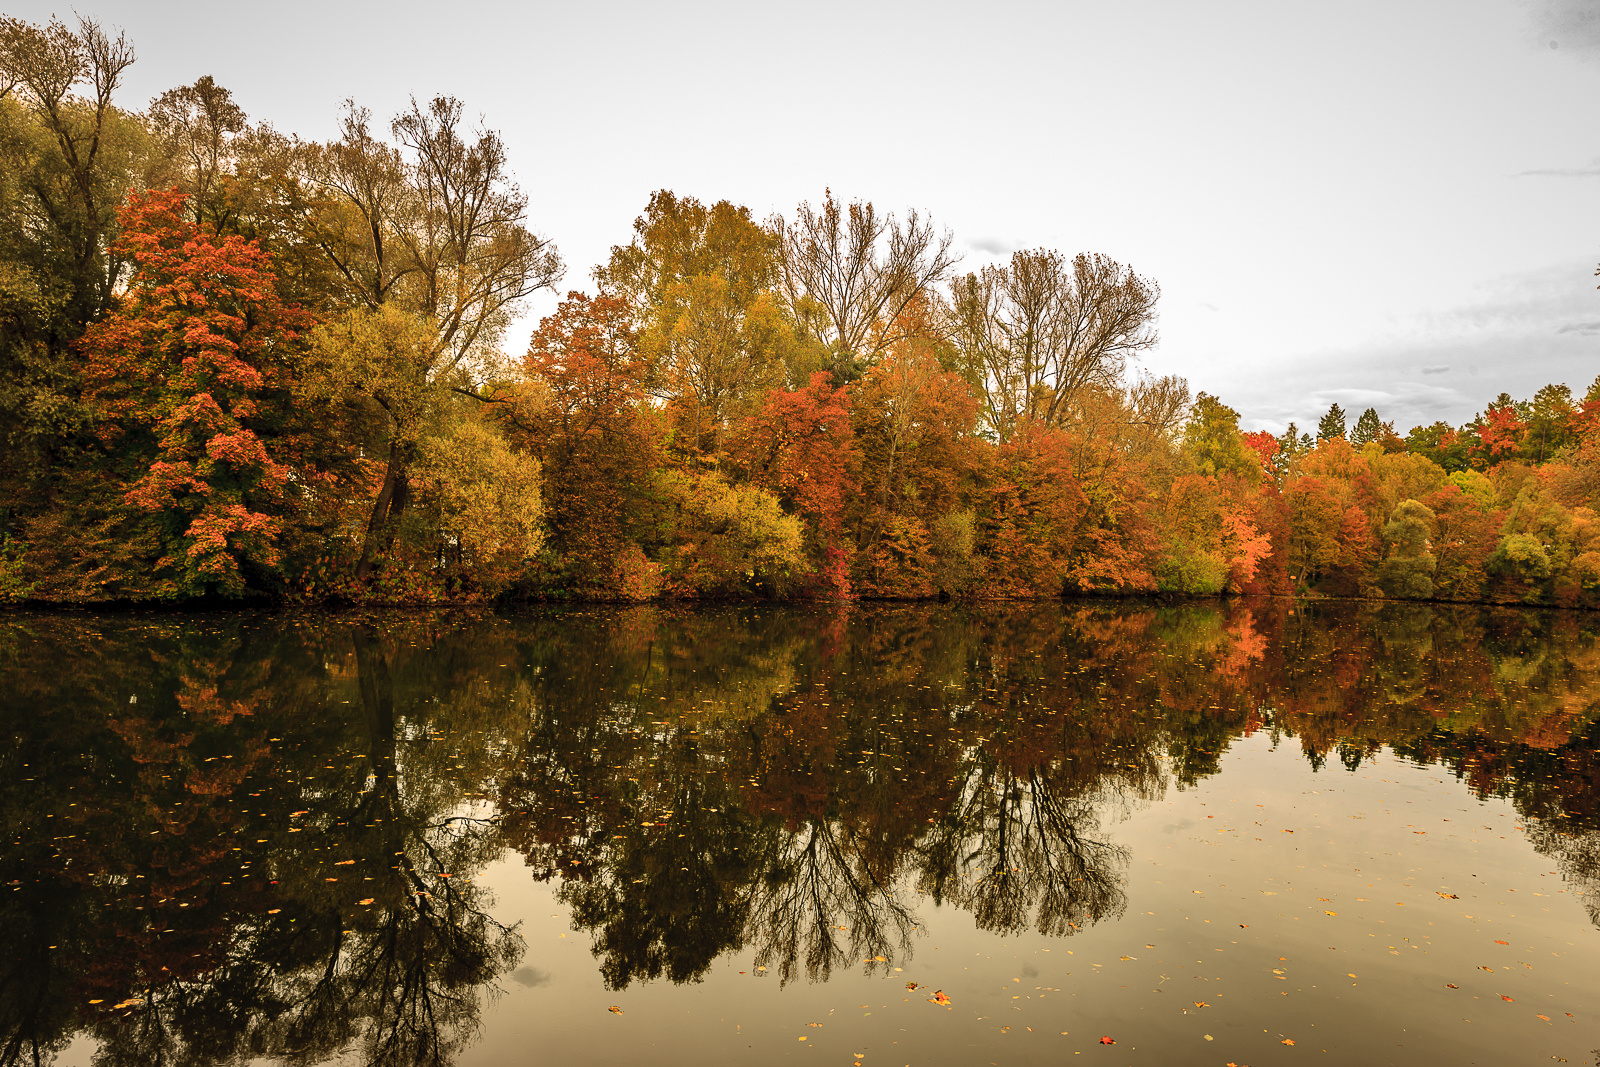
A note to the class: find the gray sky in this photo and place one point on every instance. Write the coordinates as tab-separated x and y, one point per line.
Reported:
1389	203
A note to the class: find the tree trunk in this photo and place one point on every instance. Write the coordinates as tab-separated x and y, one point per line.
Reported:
387	509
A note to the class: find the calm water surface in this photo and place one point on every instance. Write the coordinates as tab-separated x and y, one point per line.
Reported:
883	835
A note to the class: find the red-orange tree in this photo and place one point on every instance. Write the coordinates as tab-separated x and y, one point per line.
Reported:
187	376
595	439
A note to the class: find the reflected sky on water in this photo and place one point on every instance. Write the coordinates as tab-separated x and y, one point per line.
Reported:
901	834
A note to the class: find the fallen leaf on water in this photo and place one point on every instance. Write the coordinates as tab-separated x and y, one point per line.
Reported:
1507	999
1498	942
1201	1004
1449	896
911	985
369	900
1107	1041
1348	975
297	814
273	911
1330	913
939	997
1129	957
97	1002
1244	926
129	1003
1546	1018
614	1010
1288	1041
881	959
344	863
1451	985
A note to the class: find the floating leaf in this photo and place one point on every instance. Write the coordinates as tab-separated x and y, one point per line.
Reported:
618	1011
1288	1041
344	863
1107	1041
1507	999
369	900
939	997
1502	942
911	985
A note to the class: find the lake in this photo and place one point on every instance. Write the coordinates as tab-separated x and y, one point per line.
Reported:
1251	833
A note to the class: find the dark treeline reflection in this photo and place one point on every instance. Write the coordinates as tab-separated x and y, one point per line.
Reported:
256	836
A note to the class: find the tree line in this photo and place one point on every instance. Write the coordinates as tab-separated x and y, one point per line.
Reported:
238	363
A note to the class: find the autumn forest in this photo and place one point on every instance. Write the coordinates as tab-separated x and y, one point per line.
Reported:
237	364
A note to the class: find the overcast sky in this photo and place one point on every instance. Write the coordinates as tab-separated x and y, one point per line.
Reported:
1390	203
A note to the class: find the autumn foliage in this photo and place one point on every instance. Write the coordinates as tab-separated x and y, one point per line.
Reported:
279	371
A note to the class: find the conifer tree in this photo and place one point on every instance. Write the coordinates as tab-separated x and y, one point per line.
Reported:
1331	424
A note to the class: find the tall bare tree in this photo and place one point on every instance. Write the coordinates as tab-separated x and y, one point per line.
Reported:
1038	330
197	124
434	229
849	273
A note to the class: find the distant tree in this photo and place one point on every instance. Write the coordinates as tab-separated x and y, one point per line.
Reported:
1213	440
1368	428
1499	431
1331	424
1441	443
1550	423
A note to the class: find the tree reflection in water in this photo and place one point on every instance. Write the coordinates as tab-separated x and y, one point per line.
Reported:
242	836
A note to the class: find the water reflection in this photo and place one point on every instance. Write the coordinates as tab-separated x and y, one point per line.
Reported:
250	836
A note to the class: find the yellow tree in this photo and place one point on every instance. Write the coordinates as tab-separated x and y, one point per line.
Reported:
431	240
699	282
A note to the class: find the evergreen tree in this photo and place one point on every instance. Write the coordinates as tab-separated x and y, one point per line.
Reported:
1331	424
1367	428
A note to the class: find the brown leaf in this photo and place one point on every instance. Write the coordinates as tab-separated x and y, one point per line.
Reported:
614	1010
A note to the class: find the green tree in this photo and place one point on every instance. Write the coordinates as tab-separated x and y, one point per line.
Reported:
68	156
1368	428
1331	424
1407	574
1213	440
